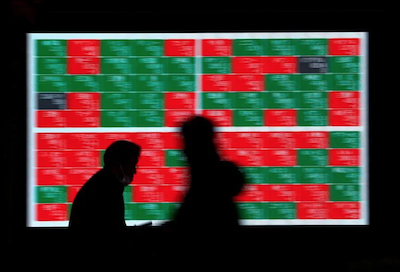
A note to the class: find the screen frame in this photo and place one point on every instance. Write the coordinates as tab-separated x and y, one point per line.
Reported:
351	21
295	35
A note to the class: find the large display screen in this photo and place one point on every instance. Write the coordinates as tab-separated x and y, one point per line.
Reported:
289	108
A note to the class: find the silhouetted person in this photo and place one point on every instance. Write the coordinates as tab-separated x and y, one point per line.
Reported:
98	211
208	207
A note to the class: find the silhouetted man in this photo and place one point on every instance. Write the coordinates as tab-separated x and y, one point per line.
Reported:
208	207
98	210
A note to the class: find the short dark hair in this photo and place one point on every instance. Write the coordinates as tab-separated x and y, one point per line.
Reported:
120	151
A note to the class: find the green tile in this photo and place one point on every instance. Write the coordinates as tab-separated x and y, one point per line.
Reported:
149	118
344	139
175	158
179	65
345	82
51	65
119	118
312	117
51	48
314	82
312	47
147	47
216	65
284	175
127	194
254	174
180	83
114	101
116	65
247	100
146	211
281	47
248	47
116	83
281	210
347	64
116	48
149	83
149	101
51	194
248	118
217	100
345	192
279	100
345	174
51	83
281	82
313	175
252	210
148	65
312	100
312	157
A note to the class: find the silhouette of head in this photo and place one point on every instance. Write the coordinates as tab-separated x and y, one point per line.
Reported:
121	158
198	137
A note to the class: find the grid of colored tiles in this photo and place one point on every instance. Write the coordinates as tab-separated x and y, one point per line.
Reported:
154	83
289	174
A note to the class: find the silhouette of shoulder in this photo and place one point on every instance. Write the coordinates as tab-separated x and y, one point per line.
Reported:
232	177
98	198
92	187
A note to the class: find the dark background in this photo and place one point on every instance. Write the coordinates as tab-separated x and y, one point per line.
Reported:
347	244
